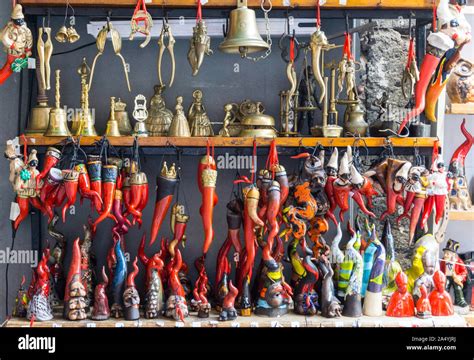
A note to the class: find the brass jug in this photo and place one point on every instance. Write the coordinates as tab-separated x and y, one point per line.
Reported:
57	117
242	36
354	122
112	124
121	115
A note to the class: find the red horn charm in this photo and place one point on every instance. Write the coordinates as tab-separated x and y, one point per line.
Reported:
51	159
109	178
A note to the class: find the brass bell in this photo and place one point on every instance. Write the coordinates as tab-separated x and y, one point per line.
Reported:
121	115
72	35
112	124
62	35
57	117
242	36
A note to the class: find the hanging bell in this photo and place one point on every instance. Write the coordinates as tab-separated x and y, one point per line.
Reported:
121	115
112	124
242	36
57	116
61	35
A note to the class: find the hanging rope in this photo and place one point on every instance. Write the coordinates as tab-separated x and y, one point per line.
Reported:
318	14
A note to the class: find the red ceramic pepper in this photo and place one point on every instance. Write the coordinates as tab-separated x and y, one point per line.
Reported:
274	197
71	185
165	187
331	170
122	222
85	185
138	182
109	177
209	199
51	159
457	160
94	169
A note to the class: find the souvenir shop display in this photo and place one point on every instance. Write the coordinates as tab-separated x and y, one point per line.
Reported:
325	227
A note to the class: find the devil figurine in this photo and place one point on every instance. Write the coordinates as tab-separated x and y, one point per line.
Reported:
131	299
74	298
101	309
18	42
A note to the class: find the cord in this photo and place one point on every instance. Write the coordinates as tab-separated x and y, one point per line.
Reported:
75	49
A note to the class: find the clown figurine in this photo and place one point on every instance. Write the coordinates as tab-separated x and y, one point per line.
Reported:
18	41
437	191
455	270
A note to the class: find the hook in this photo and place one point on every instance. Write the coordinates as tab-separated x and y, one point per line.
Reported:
347	23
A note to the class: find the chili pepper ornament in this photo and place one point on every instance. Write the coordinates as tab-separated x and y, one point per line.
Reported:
71	186
49	191
39	307
109	179
84	185
165	187
51	159
94	169
18	43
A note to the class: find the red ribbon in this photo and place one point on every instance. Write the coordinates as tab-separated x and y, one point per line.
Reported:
209	152
318	14
199	12
25	147
347	46
434	16
292	49
245	179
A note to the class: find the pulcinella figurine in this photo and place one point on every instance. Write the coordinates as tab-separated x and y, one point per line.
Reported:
101	310
131	298
455	270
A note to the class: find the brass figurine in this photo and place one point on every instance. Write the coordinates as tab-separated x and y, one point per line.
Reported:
179	125
200	45
45	50
254	122
57	117
159	117
117	45
199	122
318	44
230	124
112	124
166	33
141	15
140	113
83	123
121	115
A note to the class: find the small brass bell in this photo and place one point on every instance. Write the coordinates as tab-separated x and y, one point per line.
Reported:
242	36
57	117
61	35
72	35
112	124
121	115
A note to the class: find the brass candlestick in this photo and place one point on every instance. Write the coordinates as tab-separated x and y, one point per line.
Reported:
330	127
83	124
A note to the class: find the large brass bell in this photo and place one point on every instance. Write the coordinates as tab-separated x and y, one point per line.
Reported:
121	115
242	36
57	117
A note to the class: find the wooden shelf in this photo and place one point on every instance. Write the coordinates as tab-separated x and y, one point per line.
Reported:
289	320
461	109
461	215
380	4
237	141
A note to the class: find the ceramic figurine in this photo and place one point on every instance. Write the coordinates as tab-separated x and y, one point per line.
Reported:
21	301
119	277
330	305
468	289
179	125
101	310
86	265
440	300
305	296
39	307
455	270
423	306
159	117
459	197
17	41
460	86
392	266
199	123
350	278
131	299
228	311
423	244
154	304
437	191
74	298
429	260
401	303
376	262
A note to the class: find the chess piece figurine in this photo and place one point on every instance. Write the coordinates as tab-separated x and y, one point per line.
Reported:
455	270
401	303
